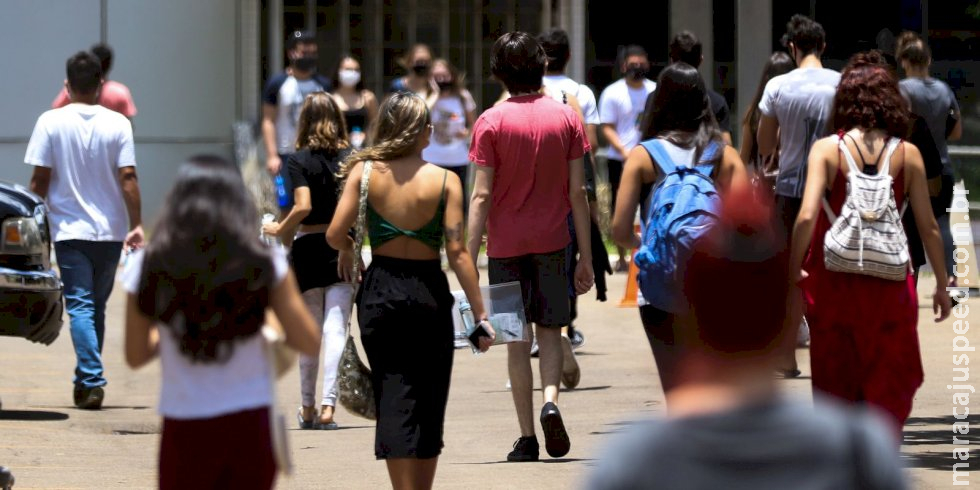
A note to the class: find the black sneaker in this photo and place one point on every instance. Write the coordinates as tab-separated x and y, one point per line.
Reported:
89	398
525	449
555	438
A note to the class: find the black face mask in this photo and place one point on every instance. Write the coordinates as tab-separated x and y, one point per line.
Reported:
306	63
421	69
636	72
445	85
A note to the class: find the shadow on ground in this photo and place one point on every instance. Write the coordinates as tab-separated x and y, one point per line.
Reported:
33	415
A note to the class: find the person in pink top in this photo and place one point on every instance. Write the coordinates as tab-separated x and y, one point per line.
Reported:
529	174
113	95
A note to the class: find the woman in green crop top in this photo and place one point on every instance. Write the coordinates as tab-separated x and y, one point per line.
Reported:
404	304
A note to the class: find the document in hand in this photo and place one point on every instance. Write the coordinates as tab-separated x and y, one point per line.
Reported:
505	308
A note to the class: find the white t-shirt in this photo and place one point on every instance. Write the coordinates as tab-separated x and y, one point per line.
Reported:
198	390
84	146
622	106
445	148
556	84
801	102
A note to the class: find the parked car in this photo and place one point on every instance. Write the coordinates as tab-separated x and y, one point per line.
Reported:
31	301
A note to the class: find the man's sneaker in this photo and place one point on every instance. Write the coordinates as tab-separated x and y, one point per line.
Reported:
89	398
577	339
534	347
525	449
555	438
570	373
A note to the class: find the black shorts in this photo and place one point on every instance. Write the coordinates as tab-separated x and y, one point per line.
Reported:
544	284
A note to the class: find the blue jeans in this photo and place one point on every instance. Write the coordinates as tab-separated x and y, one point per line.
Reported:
88	270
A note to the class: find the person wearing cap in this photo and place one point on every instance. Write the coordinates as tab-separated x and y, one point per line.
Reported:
282	99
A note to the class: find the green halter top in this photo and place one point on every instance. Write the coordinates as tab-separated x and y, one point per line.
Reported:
381	231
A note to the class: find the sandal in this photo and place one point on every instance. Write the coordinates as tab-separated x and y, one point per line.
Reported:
789	373
303	423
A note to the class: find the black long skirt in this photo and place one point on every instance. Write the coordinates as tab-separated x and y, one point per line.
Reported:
404	309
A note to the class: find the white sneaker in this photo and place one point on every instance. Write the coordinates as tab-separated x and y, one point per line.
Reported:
570	373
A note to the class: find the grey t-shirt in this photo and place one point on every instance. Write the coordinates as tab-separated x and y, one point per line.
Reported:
932	99
777	445
801	102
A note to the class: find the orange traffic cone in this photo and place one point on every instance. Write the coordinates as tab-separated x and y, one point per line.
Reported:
632	287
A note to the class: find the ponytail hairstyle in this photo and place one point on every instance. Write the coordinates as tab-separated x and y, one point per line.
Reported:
679	112
402	119
321	124
912	50
206	274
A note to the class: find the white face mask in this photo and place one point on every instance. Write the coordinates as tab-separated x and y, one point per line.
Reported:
349	78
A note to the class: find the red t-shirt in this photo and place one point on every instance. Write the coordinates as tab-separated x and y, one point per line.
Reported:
528	141
113	95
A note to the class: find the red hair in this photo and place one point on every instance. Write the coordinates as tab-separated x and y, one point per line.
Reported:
868	97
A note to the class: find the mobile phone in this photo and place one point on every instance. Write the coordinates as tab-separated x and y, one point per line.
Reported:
478	332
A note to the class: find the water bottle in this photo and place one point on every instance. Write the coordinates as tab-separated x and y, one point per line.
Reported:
281	192
357	137
271	240
467	312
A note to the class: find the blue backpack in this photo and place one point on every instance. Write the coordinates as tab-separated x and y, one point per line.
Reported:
683	208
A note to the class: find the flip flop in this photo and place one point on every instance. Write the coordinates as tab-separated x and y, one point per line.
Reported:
303	424
329	426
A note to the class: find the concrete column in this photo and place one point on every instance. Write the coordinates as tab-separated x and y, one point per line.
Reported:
249	61
275	36
546	21
344	26
373	61
696	16
310	16
754	45
476	72
577	37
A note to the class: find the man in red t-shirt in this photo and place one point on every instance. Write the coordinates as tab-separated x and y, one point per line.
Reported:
528	151
112	95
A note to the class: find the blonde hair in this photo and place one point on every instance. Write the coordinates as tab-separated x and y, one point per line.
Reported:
458	77
321	124
402	118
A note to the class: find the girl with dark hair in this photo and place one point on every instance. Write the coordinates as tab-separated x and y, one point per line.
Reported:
779	63
863	341
453	114
197	297
359	105
679	114
404	307
323	274
417	61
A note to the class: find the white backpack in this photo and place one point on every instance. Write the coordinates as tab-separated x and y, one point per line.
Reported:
868	237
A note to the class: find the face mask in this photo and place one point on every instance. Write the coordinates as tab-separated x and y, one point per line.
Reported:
445	85
421	69
349	78
306	63
636	72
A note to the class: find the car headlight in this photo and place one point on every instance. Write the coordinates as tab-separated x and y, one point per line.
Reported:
23	236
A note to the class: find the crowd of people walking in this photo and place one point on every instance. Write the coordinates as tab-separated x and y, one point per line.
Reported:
807	215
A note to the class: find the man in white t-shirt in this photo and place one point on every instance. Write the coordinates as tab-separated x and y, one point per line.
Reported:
620	113
795	110
85	168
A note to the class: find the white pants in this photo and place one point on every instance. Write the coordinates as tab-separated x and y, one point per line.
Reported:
331	307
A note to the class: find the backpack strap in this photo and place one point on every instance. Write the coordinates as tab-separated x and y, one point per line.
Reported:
659	155
704	165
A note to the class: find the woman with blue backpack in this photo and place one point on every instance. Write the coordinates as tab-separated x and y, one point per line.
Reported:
682	164
855	274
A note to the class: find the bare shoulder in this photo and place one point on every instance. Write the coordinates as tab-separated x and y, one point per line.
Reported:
369	96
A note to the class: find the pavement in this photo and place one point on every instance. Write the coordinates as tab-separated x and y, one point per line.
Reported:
49	444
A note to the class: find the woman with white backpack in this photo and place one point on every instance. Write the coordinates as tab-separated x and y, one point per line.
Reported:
860	298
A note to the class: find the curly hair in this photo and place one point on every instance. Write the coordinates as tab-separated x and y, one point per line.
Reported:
868	97
321	124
